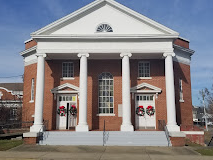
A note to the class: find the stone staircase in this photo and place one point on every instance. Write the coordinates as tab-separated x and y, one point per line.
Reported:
109	138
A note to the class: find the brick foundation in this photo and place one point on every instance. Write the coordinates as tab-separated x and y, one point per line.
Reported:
177	141
31	140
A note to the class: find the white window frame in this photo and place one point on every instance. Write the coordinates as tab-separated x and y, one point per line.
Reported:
69	77
32	92
140	76
99	96
181	90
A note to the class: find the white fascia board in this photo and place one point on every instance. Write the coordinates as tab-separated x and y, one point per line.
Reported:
28	50
145	91
114	36
191	52
187	40
28	40
114	4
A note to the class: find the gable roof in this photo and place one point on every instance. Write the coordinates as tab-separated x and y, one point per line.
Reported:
98	3
12	86
149	88
60	89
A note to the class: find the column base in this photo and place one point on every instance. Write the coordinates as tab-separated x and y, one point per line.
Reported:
82	128
173	128
37	128
127	128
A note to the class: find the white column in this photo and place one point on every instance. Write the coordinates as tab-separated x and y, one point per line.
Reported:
39	99
82	124
126	105
170	93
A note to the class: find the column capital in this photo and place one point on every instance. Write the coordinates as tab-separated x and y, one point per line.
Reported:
169	54
83	54
126	54
41	54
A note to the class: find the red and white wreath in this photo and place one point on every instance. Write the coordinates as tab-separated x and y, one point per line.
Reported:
62	111
73	110
150	110
140	111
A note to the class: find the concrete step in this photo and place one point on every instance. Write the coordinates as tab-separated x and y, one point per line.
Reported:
112	138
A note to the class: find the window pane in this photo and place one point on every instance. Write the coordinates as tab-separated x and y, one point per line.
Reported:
106	93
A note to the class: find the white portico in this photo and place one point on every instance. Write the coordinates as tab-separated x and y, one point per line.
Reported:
126	35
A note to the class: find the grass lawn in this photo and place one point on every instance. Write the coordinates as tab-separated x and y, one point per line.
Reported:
206	151
8	144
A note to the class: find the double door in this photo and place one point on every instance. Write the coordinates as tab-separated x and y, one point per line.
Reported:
146	121
66	121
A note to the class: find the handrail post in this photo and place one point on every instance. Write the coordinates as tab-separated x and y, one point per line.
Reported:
104	134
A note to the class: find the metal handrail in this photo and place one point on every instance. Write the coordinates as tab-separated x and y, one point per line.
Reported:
162	126
210	141
104	133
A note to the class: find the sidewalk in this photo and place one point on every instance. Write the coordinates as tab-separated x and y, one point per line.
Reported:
100	153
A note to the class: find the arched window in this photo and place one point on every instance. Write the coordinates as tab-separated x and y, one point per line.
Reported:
104	28
106	95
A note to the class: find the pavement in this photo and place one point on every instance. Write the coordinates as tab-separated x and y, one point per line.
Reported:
37	152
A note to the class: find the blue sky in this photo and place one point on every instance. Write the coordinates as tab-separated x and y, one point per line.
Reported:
191	18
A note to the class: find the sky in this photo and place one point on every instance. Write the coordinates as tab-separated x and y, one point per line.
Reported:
191	18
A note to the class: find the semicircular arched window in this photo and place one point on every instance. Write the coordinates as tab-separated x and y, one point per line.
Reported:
106	95
104	28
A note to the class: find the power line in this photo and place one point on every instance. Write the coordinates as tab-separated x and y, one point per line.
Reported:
12	76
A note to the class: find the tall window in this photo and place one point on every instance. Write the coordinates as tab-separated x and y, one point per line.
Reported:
106	95
32	90
181	89
143	69
67	69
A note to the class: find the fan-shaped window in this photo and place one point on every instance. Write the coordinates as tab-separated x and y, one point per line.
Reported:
106	98
104	28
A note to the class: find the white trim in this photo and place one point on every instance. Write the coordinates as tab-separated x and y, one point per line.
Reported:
187	50
28	50
11	91
105	115
31	101
11	101
153	89
106	36
67	78
66	85
28	40
30	62
114	4
193	132
181	101
184	39
144	78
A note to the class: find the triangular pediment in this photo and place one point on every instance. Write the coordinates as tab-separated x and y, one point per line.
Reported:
123	21
65	88
145	88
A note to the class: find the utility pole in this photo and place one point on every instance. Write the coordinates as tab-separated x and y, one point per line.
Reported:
204	108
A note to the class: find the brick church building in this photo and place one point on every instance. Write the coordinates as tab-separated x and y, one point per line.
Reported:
106	62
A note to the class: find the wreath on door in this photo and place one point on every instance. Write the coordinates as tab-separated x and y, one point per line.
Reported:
150	110
73	110
62	111
140	111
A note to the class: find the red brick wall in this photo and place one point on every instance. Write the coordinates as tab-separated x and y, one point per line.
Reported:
30	44
8	95
184	110
28	107
181	43
53	73
157	71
